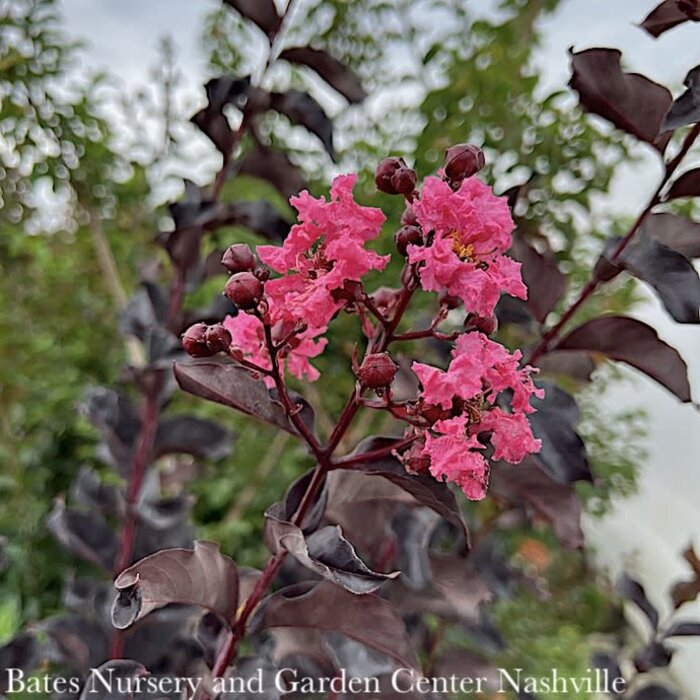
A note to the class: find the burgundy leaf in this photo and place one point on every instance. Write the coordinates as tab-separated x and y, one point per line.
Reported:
687	185
123	674
191	435
686	108
630	101
631	341
545	282
86	534
275	167
683	629
424	489
633	591
328	554
528	483
76	641
202	576
234	386
668	272
654	691
670	14
326	607
261	217
675	231
654	655
563	453
261	12
21	652
578	365
335	73
300	108
216	127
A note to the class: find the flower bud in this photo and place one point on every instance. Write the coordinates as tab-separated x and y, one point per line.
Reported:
463	161
405	236
377	371
244	289
386	169
238	258
194	341
485	324
409	218
217	338
404	180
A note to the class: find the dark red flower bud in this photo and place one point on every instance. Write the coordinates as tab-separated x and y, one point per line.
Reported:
384	297
413	461
377	371
405	236
194	341
448	300
404	180
218	338
408	218
462	161
238	258
244	289
384	172
486	324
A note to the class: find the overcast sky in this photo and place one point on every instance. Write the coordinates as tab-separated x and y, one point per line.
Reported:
652	528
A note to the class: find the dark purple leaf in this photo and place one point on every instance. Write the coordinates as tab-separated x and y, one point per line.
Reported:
285	510
21	652
261	12
654	655
202	576
671	274
414	528
528	483
424	489
683	629
563	454
335	73
686	108
86	534
274	166
634	592
630	101
356	659
365	618
88	490
578	365
76	641
260	217
687	185
211	120
608	664
300	108
327	553
670	14
545	282
112	414
675	231
122	676
233	386
655	692
195	436
631	341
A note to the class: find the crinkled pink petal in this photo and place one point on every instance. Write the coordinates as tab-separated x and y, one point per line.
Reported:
511	435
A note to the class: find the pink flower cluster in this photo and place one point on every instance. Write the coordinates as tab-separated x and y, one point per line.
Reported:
471	230
480	371
324	251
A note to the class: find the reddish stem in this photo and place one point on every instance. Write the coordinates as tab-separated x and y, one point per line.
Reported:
142	458
592	285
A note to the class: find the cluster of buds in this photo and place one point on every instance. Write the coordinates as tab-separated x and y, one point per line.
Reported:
393	176
201	340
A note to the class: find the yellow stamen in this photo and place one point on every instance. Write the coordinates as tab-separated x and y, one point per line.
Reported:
464	252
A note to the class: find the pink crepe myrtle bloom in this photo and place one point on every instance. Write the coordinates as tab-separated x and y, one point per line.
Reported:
321	253
472	229
479	372
248	336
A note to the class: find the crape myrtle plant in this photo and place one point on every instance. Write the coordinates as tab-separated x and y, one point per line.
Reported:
372	564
